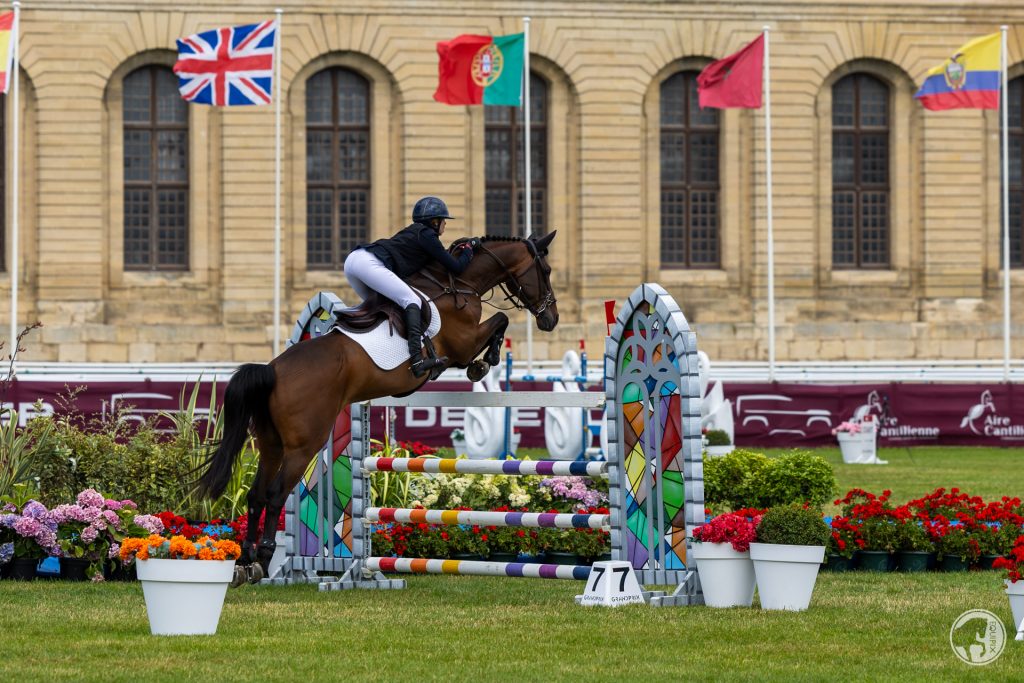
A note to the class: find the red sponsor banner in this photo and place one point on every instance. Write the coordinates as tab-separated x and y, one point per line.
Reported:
775	415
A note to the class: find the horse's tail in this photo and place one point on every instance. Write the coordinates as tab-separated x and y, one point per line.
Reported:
245	400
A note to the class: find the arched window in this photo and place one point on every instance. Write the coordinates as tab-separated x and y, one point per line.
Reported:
689	176
156	193
1015	114
504	143
860	172
337	166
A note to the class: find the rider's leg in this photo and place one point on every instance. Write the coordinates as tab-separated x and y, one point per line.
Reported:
365	268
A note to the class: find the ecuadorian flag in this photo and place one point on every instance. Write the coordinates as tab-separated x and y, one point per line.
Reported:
967	80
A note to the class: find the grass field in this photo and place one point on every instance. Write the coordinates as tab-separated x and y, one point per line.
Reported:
860	626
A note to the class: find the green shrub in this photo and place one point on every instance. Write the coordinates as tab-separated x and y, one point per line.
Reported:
794	477
792	525
727	480
717	437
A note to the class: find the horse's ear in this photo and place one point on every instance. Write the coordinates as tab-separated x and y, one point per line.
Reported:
543	242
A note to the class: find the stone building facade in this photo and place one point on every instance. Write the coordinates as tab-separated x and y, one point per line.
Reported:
887	217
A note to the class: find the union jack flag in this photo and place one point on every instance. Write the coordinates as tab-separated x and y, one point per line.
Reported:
227	66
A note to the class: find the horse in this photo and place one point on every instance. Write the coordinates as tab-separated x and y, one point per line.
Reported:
292	402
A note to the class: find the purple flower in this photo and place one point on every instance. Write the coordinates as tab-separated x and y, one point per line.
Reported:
150	523
6	552
89	534
112	504
90	498
34	509
115	549
8	507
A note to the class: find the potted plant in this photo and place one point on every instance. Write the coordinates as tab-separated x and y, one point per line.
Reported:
1014	580
881	542
856	442
915	546
32	534
717	443
787	554
957	548
844	542
183	581
465	542
721	551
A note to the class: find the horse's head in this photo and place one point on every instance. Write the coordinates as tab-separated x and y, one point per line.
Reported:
527	276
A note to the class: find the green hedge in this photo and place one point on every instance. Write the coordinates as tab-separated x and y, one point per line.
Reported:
746	478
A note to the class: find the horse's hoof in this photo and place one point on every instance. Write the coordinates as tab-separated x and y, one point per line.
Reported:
240	578
255	573
477	370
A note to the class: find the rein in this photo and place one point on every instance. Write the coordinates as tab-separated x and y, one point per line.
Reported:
518	298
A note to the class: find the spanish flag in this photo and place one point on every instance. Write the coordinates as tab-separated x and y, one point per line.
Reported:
6	48
967	80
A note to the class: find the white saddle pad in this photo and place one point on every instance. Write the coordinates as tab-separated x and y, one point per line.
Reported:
387	350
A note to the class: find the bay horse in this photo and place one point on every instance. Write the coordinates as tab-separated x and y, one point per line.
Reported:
291	403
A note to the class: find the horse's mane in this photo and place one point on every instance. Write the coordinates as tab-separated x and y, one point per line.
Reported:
486	238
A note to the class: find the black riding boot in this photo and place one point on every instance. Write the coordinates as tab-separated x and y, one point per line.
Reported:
414	332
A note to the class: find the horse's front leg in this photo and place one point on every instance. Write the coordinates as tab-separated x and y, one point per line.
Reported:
489	335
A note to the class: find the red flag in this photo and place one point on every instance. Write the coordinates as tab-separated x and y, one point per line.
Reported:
734	81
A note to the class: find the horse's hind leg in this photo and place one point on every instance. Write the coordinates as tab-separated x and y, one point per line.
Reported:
294	464
270	464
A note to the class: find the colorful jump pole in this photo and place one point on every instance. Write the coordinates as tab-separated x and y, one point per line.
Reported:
550	468
473	568
536	520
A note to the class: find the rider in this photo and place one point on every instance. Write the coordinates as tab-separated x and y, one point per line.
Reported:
384	265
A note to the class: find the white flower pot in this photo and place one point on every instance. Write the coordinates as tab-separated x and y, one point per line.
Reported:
857	448
726	576
719	451
459	446
786	574
1015	591
184	597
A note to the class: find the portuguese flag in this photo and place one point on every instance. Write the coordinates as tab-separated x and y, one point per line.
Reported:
481	70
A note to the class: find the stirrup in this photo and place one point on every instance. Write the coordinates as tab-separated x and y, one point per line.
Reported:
423	366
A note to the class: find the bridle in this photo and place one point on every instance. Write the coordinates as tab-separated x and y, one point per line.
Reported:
518	297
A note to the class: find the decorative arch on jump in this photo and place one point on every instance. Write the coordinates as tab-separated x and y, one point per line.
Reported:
656	471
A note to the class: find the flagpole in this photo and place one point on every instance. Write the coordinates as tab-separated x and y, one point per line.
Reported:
1005	105
15	173
768	185
277	184
528	219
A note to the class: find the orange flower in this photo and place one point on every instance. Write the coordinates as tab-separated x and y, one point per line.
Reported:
182	548
206	554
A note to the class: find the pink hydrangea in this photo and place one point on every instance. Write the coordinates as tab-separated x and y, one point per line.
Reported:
150	523
90	498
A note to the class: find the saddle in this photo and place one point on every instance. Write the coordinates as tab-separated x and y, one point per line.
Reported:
377	309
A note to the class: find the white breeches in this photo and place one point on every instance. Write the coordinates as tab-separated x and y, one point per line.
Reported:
367	274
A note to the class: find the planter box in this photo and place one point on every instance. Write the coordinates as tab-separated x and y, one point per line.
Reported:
786	574
184	597
1015	591
726	576
857	449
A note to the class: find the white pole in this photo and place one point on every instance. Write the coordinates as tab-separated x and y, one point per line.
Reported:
768	186
1005	105
15	173
277	184
528	219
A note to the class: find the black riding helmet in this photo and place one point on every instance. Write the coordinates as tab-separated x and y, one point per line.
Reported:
429	208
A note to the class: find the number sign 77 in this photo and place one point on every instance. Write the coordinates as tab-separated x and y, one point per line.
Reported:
599	572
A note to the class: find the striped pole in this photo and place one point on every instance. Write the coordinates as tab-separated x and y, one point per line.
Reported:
407	565
552	520
512	467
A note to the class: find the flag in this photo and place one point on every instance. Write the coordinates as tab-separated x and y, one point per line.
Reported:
967	80
481	70
734	81
227	66
7	48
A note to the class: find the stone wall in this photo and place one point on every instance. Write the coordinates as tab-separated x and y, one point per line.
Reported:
604	61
